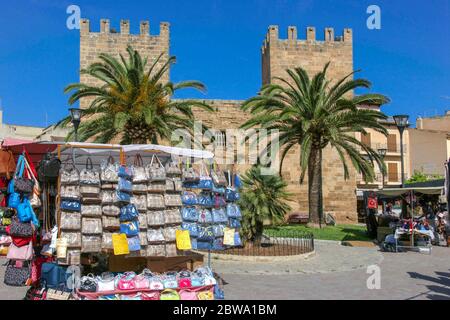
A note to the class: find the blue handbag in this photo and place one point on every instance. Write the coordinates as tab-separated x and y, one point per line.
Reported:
233	211
218	190
205	200
189	198
219	294
194	246
205	183
14	200
237	240
128	213
218	230
219	216
189	214
53	276
26	214
71	205
191	227
231	195
205	216
235	223
218	244
204	245
20	167
134	244
125	185
123	197
130	228
125	173
190	185
205	234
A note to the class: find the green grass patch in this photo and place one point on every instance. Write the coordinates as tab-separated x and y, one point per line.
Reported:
337	233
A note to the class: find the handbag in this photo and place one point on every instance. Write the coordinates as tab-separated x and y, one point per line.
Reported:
205	200
171	250
17	273
218	177
89	176
91	211
206	295
219	201
90	191
184	280
191	227
156	283
231	195
218	230
205	216
140	174
49	167
219	216
125	281
125	185
233	211
218	244
142	281
130	228
108	171
129	213
140	188
155	236
70	174
91	244
169	280
109	197
25	213
88	284
125	172
36	193
24	253
172	200
205	182
72	205
91	226
155	218
190	214
189	198
190	175
53	276
155	201
110	223
170	234
157	187
134	243
172	217
173	169
205	234
155	170
156	251
20	229
70	192
237	239
73	239
70	221
123	197
148	296
140	201
143	238
235	224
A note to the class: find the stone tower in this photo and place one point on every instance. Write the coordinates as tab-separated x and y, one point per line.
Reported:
339	195
310	54
115	43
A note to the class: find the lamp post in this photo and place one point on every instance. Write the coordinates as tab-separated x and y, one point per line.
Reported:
75	114
402	124
382	153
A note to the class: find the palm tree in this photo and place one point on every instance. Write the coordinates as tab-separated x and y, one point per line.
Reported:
315	114
132	103
263	198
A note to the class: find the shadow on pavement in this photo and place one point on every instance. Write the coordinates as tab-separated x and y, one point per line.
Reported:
439	288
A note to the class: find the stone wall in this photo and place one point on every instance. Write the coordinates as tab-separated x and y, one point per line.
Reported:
115	43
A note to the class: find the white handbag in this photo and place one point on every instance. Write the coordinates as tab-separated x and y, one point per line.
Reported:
155	236
155	170
155	218
91	211
106	282
140	174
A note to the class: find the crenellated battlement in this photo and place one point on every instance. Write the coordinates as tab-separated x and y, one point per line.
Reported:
105	28
292	36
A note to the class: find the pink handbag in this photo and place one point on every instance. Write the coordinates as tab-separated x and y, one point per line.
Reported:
126	281
150	295
189	294
24	253
141	282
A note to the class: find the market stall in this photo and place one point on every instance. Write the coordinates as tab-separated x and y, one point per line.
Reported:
145	207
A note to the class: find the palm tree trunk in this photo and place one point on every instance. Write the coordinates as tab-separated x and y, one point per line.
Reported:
315	187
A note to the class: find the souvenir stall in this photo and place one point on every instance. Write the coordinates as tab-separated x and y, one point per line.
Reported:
414	229
133	206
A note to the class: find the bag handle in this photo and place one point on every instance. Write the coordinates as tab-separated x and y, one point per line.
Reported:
19	167
138	162
89	165
111	160
159	161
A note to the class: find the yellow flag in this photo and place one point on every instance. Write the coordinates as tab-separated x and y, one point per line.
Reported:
228	236
120	244
183	240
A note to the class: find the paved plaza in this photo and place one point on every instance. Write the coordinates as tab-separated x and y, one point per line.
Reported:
334	272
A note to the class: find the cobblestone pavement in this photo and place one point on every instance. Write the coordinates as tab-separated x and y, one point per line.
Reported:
335	272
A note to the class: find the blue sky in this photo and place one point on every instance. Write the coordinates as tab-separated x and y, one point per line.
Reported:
218	42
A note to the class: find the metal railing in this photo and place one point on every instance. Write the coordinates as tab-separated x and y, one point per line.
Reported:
275	243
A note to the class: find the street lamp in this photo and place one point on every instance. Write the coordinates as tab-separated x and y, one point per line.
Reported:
382	153
402	124
75	114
